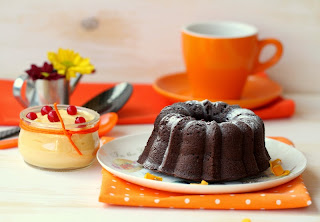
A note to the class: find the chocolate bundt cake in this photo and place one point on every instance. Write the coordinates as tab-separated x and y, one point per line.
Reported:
206	141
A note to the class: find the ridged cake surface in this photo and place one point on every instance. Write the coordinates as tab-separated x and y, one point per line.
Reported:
206	141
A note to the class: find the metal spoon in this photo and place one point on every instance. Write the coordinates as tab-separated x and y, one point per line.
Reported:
111	100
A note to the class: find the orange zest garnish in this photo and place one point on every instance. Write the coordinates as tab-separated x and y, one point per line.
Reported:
66	131
152	177
203	182
276	168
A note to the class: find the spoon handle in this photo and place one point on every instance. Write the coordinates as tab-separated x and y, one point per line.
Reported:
9	143
10	132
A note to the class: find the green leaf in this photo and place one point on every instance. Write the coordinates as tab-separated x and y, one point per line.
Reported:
45	74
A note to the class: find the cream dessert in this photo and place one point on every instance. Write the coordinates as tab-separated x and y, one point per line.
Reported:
47	142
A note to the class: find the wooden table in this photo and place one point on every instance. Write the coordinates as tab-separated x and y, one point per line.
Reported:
28	194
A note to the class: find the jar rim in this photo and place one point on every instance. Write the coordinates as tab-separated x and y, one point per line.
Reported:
23	113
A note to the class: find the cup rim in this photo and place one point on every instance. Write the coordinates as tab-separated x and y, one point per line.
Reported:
186	29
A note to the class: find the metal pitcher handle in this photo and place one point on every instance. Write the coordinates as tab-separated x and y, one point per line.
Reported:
74	82
17	86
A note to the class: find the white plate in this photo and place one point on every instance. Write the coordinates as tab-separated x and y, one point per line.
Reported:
119	157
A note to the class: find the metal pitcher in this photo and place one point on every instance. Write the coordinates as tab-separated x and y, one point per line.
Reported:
42	92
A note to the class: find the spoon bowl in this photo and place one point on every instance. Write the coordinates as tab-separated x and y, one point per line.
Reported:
111	100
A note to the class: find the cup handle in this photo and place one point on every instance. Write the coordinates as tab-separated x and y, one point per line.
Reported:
273	60
17	86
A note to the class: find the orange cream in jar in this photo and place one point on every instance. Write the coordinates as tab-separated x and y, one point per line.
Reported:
45	144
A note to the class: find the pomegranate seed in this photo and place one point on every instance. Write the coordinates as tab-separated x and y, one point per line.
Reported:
80	120
32	116
53	116
45	110
72	110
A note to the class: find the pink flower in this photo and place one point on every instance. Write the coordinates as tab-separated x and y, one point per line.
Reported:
45	72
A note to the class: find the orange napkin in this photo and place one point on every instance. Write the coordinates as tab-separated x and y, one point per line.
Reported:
116	191
143	106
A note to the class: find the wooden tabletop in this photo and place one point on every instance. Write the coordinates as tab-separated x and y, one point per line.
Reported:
29	194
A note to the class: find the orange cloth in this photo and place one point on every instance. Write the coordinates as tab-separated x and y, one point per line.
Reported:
143	106
120	192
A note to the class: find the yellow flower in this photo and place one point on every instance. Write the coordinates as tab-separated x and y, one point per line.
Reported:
69	63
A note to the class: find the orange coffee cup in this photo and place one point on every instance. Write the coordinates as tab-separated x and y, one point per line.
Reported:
219	56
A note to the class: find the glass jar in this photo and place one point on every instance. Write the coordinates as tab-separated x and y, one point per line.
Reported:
47	145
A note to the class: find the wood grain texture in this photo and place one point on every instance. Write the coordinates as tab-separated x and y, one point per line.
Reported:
139	40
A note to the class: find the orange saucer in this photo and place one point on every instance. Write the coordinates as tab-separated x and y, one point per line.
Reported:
258	91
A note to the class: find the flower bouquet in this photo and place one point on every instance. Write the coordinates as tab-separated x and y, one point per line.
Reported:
54	81
64	64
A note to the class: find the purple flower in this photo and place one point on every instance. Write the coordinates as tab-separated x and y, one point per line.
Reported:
45	72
